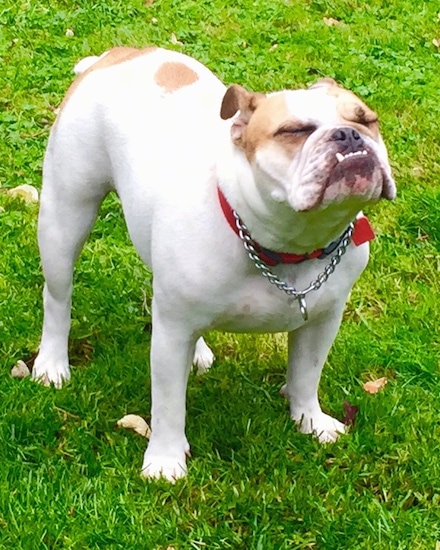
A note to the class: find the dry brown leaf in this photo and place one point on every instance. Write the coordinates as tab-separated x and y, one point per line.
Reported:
331	22
374	386
26	192
351	412
136	423
174	40
417	171
20	370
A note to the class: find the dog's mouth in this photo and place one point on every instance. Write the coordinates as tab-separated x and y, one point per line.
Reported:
349	168
340	157
356	174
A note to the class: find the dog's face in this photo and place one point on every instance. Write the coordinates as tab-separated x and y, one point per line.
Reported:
311	147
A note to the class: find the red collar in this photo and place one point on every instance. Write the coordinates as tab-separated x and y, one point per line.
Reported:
362	233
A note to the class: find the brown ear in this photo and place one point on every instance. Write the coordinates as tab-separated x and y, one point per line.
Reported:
237	99
327	81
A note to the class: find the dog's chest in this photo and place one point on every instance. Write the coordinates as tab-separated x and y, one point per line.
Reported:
255	305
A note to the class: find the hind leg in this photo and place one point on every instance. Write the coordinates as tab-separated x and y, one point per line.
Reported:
65	220
203	357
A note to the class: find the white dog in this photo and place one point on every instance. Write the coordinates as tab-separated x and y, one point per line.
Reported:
241	203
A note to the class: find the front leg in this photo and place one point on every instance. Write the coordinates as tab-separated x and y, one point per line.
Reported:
308	350
172	351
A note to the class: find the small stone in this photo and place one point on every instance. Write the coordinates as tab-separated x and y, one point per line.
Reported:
20	370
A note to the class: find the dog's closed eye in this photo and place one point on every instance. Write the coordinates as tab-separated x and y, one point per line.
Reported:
366	118
295	130
369	123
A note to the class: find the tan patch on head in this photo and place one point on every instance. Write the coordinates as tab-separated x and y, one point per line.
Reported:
355	111
271	114
174	75
326	81
114	56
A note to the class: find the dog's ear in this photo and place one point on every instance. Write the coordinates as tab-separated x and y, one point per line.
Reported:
327	81
237	99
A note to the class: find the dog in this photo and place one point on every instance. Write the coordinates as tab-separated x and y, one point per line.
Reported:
243	205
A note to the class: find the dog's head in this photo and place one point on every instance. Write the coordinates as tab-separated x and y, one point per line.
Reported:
313	147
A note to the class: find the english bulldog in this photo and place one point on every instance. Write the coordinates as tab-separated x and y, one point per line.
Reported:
246	206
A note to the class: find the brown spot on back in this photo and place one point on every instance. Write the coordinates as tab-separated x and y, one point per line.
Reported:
173	75
115	56
120	54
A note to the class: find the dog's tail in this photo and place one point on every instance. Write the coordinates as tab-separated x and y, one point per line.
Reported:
86	63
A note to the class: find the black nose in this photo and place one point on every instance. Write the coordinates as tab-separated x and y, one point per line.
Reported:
348	138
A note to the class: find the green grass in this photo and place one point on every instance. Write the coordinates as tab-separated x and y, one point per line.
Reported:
68	478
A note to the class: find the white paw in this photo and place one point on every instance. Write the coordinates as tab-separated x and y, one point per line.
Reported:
203	357
169	468
326	428
49	372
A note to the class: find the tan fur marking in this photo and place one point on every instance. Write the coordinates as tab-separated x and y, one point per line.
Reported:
120	54
171	76
326	81
355	111
271	112
117	55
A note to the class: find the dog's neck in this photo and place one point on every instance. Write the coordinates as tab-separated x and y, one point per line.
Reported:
274	223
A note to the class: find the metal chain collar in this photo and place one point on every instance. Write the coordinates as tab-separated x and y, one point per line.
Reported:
300	295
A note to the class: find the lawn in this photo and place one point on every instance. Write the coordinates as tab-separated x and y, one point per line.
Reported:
69	479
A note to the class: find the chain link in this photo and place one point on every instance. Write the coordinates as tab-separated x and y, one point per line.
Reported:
299	295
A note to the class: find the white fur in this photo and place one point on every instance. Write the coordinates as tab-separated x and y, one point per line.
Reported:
164	154
86	63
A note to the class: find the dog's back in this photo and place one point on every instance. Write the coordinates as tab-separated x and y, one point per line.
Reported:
154	94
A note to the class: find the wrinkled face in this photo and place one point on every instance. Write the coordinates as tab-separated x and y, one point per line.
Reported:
315	147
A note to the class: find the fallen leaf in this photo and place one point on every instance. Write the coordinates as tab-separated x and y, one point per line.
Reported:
136	423
20	370
417	171
374	386
26	192
80	352
30	360
331	22
350	414
436	42
174	40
